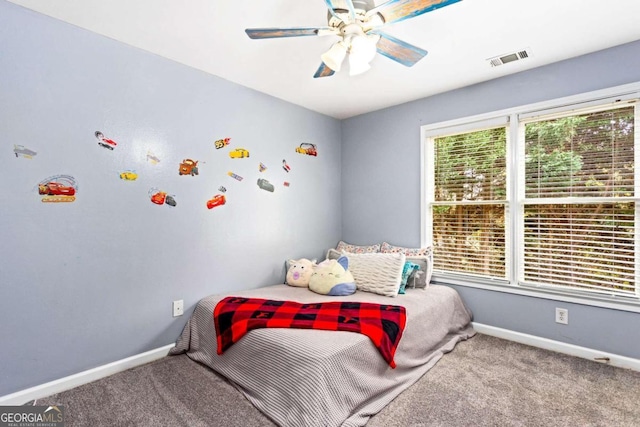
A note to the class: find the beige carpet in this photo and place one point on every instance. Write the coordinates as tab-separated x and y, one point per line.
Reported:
485	381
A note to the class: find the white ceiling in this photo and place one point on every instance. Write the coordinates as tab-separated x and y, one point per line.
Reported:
209	35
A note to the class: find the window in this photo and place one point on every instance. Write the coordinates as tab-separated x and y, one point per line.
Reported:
563	218
468	204
578	210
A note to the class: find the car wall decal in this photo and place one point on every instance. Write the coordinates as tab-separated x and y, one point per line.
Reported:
285	166
128	175
58	188
159	197
152	158
286	183
170	200
265	185
239	153
222	143
22	151
105	142
262	167
217	200
188	167
234	176
308	149
222	189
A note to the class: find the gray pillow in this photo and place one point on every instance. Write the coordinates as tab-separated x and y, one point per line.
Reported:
421	278
333	254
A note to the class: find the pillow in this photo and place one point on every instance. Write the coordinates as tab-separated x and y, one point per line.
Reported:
334	254
421	278
354	249
377	273
299	272
407	270
332	277
390	249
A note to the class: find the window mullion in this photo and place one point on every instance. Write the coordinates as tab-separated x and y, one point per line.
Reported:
636	194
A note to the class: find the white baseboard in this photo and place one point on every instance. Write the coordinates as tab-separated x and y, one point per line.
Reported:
560	347
66	383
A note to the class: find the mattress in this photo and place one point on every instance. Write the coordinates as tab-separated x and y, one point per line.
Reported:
302	377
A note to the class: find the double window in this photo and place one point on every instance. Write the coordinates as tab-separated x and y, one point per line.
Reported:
541	199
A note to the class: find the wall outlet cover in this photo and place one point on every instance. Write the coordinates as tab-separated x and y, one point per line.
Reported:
178	308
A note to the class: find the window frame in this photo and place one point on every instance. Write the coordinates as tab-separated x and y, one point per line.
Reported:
489	123
514	204
523	201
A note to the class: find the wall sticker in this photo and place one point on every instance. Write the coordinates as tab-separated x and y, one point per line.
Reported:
188	167
262	167
58	188
265	185
128	175
22	151
238	153
222	142
161	197
152	158
308	149
285	166
105	142
234	176
217	200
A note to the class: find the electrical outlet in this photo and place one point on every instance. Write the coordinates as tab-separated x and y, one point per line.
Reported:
178	308
562	316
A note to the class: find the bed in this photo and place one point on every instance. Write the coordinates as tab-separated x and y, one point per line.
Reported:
302	377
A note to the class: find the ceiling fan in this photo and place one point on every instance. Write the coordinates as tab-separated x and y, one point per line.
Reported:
358	23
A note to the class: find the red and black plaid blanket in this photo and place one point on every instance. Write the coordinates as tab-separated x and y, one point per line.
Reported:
383	324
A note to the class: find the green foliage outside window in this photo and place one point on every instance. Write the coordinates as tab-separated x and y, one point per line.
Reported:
581	236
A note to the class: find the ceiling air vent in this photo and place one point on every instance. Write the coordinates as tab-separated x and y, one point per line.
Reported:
510	57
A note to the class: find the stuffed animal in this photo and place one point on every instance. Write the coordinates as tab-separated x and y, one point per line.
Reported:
300	272
332	277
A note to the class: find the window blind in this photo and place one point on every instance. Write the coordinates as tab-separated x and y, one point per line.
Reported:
579	209
468	203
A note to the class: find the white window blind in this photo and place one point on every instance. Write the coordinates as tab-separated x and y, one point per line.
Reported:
579	209
467	202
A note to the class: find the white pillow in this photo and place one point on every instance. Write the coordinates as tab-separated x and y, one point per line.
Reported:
376	272
418	279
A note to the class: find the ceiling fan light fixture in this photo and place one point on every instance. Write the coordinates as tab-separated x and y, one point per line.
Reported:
357	65
361	53
363	47
359	24
335	55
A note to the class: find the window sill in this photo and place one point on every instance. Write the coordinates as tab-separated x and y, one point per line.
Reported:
614	303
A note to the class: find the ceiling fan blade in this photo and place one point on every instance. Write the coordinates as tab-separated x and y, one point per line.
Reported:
398	10
351	9
331	7
398	50
271	33
323	71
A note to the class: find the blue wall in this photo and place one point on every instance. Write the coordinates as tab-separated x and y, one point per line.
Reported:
381	187
90	282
